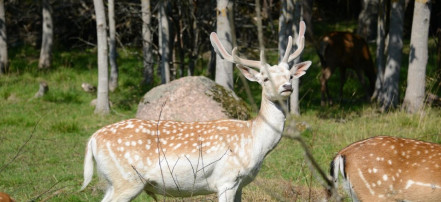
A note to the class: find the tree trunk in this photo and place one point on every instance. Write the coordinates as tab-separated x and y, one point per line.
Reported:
389	96
367	19
438	56
3	44
164	41
259	26
224	69
195	30
307	17
416	76
48	30
294	98
285	25
288	26
381	35
113	83
147	42
102	105
230	13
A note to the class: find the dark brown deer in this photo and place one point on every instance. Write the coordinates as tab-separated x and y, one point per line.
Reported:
345	50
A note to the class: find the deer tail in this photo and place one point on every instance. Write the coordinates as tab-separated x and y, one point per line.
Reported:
337	165
88	163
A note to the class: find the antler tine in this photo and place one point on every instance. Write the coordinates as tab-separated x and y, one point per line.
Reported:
262	57
233	58
288	50
300	42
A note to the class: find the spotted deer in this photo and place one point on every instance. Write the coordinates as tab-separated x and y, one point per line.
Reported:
390	169
183	159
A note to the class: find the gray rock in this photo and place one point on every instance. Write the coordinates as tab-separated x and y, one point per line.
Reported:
194	98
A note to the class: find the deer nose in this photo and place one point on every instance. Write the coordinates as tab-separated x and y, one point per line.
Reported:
287	87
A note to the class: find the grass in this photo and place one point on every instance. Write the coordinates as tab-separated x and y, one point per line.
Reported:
43	139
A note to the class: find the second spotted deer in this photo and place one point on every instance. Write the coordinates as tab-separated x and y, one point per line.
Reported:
390	169
195	158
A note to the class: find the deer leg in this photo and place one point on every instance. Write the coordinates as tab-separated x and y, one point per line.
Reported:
238	197
151	194
326	97
126	191
230	194
342	82
109	194
363	83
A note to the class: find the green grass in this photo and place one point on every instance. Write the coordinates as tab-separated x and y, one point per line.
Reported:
42	140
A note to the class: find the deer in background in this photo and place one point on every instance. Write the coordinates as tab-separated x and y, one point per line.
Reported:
390	169
345	50
182	159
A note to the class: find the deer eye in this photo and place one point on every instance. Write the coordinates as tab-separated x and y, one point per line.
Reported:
291	77
266	79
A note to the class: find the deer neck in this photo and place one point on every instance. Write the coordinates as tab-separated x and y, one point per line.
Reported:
268	127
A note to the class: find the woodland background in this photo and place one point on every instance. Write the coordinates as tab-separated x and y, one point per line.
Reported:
43	139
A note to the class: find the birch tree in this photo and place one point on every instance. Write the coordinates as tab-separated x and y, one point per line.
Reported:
3	44
381	35
389	94
224	69
48	35
416	76
102	104
147	42
259	26
367	19
288	26
164	41
113	82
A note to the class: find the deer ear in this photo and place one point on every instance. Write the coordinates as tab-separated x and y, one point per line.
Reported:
249	73
299	69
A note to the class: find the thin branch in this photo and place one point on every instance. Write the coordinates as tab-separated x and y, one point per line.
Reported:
37	197
22	146
329	185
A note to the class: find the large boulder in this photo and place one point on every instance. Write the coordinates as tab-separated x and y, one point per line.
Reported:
193	98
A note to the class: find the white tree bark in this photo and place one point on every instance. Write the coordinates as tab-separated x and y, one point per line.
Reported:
259	26
113	83
288	26
147	42
390	90
285	25
294	98
224	69
164	41
416	76
48	35
367	19
102	105
381	35
3	44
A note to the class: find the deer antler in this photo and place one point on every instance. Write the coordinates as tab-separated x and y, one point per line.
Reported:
300	45
220	50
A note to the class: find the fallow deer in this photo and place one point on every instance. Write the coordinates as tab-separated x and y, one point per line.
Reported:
390	169
345	50
182	159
